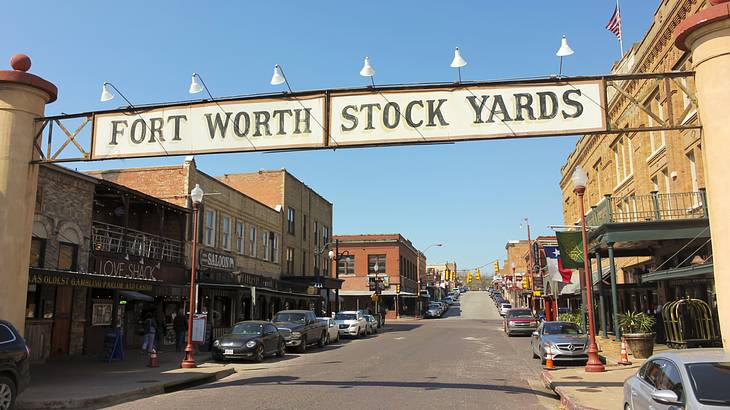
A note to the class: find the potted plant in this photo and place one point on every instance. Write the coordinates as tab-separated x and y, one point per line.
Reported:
637	329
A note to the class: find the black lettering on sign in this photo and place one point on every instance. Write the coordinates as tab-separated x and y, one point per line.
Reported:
262	120
156	129
523	102
217	125
548	98
478	108
298	121
498	107
434	112
138	124
369	108
281	113
391	115
349	117
573	103
176	119
409	113
117	130
238	129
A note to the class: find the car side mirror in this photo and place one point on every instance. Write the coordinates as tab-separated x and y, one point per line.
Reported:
665	397
535	334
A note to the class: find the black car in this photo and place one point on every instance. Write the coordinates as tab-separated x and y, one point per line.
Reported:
249	340
14	365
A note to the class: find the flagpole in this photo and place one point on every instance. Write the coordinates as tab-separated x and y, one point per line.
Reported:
621	37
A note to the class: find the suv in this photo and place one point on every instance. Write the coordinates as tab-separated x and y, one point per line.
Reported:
14	364
352	323
503	308
300	328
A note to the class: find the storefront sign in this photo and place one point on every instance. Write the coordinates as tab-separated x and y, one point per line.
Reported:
45	277
123	268
409	114
212	260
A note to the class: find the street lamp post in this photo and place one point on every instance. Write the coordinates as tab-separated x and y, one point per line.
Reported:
335	255
594	364
514	283
196	196
418	275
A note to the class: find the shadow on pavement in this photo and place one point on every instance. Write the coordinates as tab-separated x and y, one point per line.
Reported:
399	327
346	384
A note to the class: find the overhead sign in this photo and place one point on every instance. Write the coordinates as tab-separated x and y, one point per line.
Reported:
213	260
345	118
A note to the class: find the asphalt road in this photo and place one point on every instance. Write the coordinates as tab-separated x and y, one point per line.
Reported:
463	361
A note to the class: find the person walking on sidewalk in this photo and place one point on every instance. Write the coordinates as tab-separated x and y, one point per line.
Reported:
150	329
180	325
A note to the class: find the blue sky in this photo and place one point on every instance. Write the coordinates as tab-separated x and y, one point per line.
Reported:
471	196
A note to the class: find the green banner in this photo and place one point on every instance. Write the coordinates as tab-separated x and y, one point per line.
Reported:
571	249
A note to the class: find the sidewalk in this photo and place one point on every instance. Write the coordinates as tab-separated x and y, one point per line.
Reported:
579	390
83	382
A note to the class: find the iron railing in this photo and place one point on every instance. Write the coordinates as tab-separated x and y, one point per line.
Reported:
652	207
120	240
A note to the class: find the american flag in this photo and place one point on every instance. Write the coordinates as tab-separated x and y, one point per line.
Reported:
614	25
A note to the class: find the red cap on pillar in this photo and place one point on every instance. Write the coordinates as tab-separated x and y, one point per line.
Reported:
21	64
719	10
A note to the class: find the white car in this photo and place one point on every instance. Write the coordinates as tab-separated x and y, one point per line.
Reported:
351	323
333	331
503	308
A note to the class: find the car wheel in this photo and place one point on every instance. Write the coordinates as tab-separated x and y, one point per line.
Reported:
322	340
282	349
303	345
509	334
534	356
259	355
8	391
375	330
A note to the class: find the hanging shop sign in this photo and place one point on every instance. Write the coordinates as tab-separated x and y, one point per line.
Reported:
348	118
135	268
213	260
89	280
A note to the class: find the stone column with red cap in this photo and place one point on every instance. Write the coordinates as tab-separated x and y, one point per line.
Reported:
23	98
707	35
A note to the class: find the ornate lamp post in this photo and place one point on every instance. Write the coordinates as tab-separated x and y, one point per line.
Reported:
418	274
580	178
196	196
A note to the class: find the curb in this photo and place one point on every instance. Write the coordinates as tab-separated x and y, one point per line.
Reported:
566	400
129	395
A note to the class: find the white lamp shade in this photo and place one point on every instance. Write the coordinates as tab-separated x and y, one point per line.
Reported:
458	60
196	195
278	77
579	177
195	86
331	254
106	95
564	49
367	69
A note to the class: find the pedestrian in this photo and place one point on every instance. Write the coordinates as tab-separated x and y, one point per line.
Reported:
150	329
382	316
180	325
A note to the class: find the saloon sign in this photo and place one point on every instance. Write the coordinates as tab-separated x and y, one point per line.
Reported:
332	119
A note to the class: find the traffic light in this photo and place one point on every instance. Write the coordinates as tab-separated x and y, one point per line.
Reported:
397	288
453	275
447	275
496	266
468	277
526	283
478	275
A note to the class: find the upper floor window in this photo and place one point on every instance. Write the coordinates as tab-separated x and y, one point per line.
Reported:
290	220
376	260
209	236
623	158
239	237
346	265
304	226
226	234
290	261
252	241
657	139
67	256
275	248
37	251
267	248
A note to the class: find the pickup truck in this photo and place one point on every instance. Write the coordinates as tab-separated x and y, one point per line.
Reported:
300	328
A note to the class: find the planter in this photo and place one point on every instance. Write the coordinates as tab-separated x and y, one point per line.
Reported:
640	344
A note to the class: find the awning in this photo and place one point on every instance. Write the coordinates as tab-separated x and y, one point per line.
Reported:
676	273
132	295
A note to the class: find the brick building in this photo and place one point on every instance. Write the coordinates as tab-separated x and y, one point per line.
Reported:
645	198
365	258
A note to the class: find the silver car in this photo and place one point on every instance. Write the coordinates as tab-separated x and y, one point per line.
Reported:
565	339
689	379
352	323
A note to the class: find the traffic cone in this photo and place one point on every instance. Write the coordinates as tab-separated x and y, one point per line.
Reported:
549	358
624	355
153	359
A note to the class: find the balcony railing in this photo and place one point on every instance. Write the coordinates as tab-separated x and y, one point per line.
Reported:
652	207
116	239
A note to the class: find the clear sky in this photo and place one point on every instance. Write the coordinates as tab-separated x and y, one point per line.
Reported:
471	196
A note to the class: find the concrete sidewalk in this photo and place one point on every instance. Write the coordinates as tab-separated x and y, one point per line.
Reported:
84	382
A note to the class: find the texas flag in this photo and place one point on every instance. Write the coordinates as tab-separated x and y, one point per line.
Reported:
555	265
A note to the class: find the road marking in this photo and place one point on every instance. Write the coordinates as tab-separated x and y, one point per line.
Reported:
399	338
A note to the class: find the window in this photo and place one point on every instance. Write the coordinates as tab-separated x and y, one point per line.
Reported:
252	240
6	335
374	260
209	238
655	183
709	381
663	375
304	262
290	261
315	232
597	177
67	255
693	171
304	226
657	139
226	233
239	237
275	248
325	241
623	158
346	265
265	240
37	251
290	220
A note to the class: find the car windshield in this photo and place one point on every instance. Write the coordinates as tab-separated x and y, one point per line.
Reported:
370	318
290	317
345	316
433	306
247	329
561	329
506	306
523	313
710	381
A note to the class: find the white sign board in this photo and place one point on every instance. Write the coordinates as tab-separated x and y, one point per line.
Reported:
198	335
342	118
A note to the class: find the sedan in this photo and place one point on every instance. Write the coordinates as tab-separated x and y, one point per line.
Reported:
433	311
351	323
249	340
503	308
689	379
372	326
333	331
565	340
14	365
519	321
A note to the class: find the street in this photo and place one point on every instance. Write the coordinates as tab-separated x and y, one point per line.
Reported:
463	360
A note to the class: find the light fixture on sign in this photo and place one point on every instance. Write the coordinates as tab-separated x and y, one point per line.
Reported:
458	61
195	86
563	51
368	70
106	95
279	77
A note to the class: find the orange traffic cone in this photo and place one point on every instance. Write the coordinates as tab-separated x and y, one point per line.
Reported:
624	355
549	358
153	359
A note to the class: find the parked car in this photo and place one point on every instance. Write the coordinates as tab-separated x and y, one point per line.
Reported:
249	340
14	365
448	300
444	307
372	324
566	340
300	328
433	310
351	323
333	331
689	379
519	321
504	307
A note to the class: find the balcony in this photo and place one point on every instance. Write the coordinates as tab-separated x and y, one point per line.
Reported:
116	239
649	208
